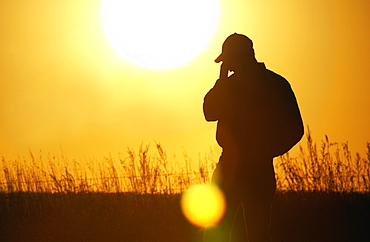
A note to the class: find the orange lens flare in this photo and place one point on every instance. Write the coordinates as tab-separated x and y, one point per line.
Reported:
203	205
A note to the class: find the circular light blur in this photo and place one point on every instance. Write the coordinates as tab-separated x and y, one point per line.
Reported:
203	205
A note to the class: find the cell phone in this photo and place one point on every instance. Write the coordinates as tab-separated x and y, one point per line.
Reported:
224	72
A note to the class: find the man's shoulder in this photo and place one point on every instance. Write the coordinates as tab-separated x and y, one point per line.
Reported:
276	79
274	75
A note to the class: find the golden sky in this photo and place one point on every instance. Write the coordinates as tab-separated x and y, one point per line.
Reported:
62	85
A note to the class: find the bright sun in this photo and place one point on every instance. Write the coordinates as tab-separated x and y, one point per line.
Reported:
159	34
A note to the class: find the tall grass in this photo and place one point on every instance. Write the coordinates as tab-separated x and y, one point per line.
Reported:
142	172
329	167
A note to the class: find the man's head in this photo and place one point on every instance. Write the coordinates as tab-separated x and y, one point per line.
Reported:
237	48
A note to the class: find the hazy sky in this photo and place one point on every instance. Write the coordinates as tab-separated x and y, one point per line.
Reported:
63	85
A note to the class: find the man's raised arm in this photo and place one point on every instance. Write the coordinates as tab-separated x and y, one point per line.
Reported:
213	101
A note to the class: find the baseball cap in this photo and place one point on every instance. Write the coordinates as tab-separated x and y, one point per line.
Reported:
235	44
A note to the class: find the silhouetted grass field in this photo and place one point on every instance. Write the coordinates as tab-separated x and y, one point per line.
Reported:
323	195
313	216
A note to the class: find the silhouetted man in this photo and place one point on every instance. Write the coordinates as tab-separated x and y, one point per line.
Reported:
258	119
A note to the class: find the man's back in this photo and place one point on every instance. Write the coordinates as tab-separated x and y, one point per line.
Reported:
255	109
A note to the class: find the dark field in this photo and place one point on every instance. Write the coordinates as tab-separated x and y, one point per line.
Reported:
130	217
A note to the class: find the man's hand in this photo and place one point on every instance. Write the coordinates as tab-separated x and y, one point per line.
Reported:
224	72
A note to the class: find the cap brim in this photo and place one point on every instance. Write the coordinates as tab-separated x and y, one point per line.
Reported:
219	58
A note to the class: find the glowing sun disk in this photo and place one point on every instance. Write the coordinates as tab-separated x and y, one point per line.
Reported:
159	34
